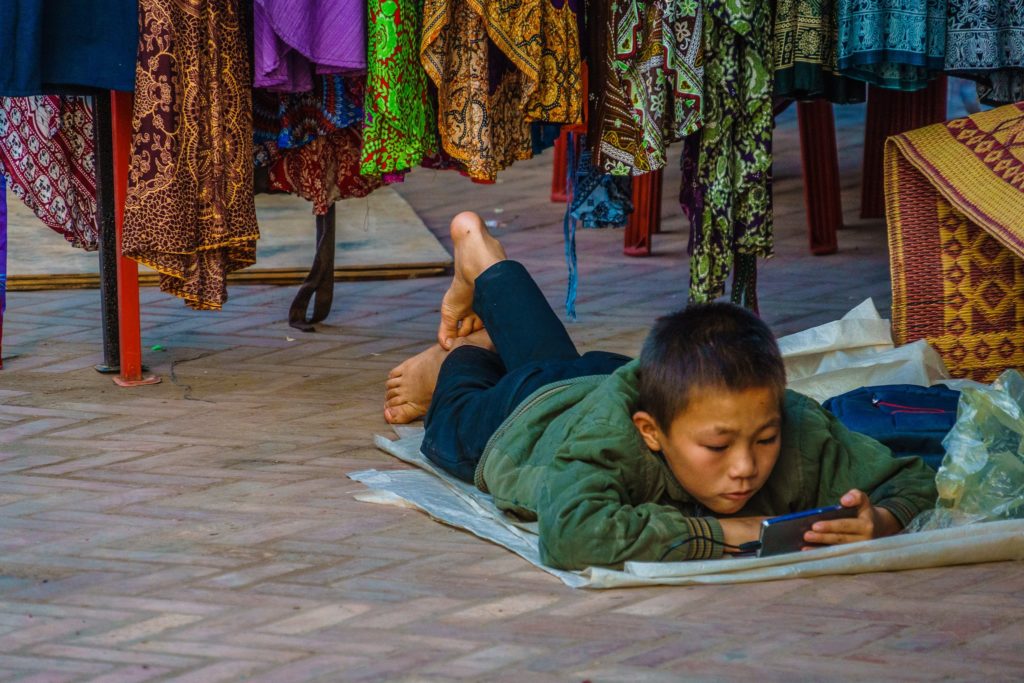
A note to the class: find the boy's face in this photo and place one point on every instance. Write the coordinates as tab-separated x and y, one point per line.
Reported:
722	447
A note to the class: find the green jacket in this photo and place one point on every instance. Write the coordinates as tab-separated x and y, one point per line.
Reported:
570	458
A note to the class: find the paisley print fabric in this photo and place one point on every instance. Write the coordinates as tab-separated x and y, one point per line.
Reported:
189	212
46	152
498	67
805	53
651	81
401	125
897	44
733	182
985	42
325	170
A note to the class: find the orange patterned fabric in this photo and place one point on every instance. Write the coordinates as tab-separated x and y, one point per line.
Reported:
954	200
189	213
498	67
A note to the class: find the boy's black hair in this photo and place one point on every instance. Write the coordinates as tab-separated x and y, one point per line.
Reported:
706	345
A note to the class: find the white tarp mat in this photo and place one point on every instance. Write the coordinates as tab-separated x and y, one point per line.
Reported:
463	506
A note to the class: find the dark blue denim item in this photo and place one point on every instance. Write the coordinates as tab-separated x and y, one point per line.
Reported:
909	419
477	389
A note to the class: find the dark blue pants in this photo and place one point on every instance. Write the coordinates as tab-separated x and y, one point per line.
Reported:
477	389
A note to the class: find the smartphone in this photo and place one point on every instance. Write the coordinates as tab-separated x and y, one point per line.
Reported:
785	534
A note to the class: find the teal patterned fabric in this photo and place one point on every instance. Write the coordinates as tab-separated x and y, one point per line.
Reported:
985	42
898	44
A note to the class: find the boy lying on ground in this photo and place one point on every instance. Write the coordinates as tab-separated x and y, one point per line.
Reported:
678	455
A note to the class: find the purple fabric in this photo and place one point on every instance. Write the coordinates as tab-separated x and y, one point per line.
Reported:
295	37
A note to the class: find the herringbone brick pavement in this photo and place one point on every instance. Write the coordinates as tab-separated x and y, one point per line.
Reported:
203	529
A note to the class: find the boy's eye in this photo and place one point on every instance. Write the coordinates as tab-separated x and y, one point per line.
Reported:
716	449
769	441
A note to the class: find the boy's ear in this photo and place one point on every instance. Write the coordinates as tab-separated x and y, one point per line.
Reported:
648	429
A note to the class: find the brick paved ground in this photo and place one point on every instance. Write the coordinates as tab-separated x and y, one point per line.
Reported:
204	530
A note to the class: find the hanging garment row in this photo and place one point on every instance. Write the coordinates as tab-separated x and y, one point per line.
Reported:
349	96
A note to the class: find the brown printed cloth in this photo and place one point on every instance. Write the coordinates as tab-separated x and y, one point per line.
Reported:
189	213
649	78
498	67
326	170
46	153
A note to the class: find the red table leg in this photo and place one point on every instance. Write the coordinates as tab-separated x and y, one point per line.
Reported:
646	217
559	168
821	175
130	334
891	112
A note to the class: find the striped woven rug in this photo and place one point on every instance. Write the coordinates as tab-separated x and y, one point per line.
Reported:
954	197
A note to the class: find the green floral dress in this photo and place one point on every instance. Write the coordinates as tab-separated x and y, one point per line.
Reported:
732	201
400	127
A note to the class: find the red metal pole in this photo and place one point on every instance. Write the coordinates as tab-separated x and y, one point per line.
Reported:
129	333
821	175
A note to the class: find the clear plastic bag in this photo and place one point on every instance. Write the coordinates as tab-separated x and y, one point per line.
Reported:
982	473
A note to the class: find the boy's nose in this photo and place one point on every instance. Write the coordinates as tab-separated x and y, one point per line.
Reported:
743	465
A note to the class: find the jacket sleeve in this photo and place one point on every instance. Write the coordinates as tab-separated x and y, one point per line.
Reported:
598	508
848	460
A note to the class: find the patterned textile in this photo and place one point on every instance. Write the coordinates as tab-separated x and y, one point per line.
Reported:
294	38
189	213
598	200
3	258
289	121
652	81
46	151
401	125
325	170
985	42
805	53
954	194
497	67
733	182
897	44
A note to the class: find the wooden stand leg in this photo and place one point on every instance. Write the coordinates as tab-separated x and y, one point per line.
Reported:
646	217
891	112
821	175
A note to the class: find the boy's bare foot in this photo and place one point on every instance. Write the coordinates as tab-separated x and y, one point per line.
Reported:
410	385
475	251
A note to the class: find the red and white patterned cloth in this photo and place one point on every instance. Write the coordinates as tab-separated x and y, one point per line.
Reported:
47	155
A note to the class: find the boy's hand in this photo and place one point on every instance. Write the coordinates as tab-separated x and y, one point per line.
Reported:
870	522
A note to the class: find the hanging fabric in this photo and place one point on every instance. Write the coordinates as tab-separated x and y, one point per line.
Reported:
401	124
54	44
732	192
805	54
985	42
497	68
295	38
46	151
283	122
3	259
646	57
189	213
596	200
896	44
326	170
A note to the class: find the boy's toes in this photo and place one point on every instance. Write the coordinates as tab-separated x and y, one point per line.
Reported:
403	413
